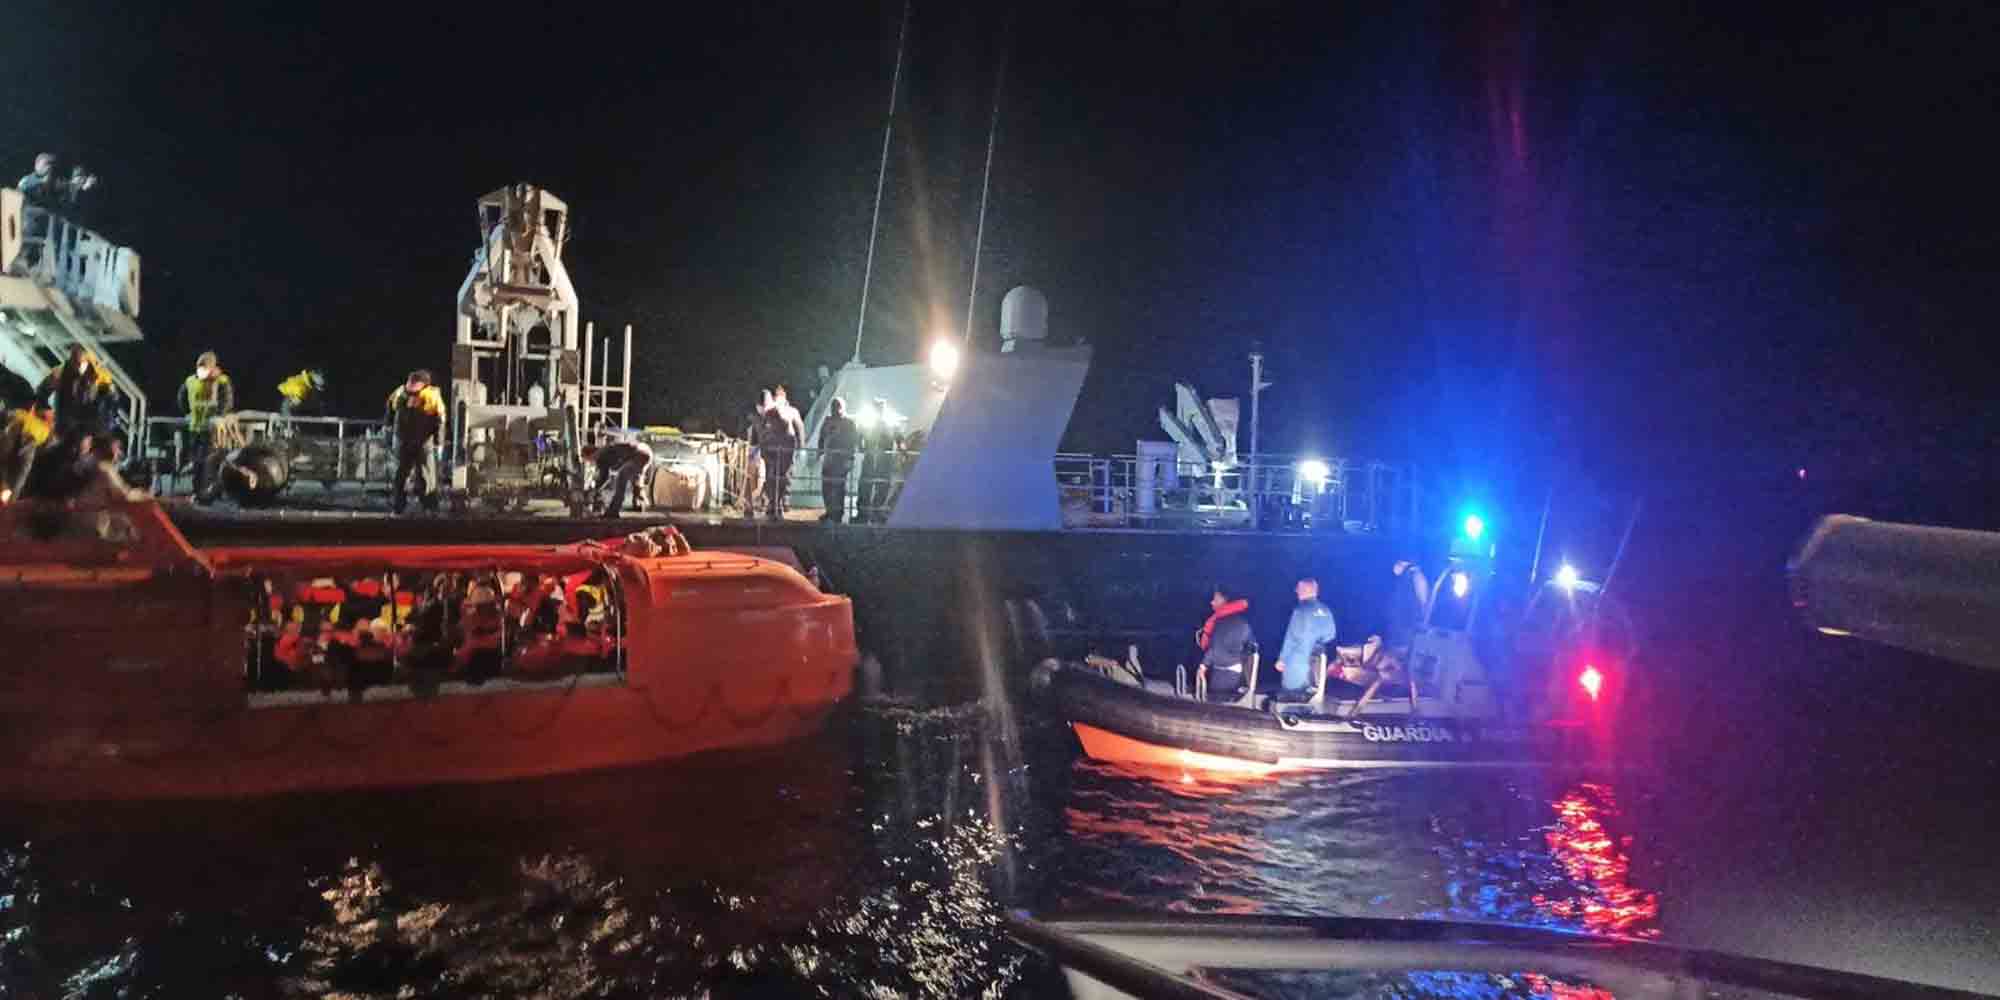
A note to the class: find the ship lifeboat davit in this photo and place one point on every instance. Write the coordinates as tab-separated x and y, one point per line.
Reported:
140	667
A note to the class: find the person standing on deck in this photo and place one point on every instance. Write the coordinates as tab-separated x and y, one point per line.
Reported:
1407	597
80	386
1223	638
838	437
752	496
878	463
1310	630
41	187
416	411
206	396
782	433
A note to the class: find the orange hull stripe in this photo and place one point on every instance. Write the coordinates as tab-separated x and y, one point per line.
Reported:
1102	744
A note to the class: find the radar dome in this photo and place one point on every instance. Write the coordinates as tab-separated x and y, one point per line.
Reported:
1024	315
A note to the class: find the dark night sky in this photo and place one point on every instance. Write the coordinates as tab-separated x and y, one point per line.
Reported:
1729	242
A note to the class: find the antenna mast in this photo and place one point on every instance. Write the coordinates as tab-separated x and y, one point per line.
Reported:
986	183
881	176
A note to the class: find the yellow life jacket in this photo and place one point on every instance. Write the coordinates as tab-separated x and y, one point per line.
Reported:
201	397
25	424
296	388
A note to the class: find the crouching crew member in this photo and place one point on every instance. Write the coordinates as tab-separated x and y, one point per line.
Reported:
416	411
620	465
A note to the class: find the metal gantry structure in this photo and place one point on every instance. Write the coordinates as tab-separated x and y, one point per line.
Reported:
64	285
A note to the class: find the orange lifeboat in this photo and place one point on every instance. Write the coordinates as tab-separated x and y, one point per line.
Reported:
131	671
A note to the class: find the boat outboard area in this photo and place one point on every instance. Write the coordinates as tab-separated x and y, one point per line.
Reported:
1461	674
142	667
1194	956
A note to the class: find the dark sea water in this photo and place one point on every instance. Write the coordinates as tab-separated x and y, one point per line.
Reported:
1814	800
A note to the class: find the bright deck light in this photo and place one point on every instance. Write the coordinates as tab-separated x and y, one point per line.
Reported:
944	359
1314	471
1567	577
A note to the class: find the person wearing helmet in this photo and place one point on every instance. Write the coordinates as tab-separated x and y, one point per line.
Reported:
416	411
206	397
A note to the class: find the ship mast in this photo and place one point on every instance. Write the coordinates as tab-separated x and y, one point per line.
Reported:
986	181
881	176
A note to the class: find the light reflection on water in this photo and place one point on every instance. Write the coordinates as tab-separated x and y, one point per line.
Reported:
863	864
1467	845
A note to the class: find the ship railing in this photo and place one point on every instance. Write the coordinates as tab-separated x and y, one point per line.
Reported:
1126	492
334	452
874	480
54	251
1273	493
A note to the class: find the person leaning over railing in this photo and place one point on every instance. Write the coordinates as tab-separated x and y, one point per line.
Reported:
103	485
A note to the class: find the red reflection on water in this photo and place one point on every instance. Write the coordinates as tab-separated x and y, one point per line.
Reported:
1556	989
1586	851
1182	782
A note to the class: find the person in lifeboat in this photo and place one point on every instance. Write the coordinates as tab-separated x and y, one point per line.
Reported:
485	622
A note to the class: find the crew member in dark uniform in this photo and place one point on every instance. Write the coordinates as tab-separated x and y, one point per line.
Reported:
878	464
620	465
416	411
838	437
779	440
80	388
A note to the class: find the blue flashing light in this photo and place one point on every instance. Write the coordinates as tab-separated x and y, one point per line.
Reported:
1475	526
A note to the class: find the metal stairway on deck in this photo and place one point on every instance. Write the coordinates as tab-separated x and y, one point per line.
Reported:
62	284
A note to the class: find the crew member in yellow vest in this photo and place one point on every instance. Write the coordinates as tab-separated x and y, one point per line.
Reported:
416	411
299	395
205	397
27	430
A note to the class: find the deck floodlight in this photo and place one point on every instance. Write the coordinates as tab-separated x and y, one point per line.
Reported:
944	358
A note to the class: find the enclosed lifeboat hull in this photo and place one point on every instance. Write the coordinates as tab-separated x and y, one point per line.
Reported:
127	669
1127	724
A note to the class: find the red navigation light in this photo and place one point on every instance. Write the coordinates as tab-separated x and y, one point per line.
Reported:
1591	680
